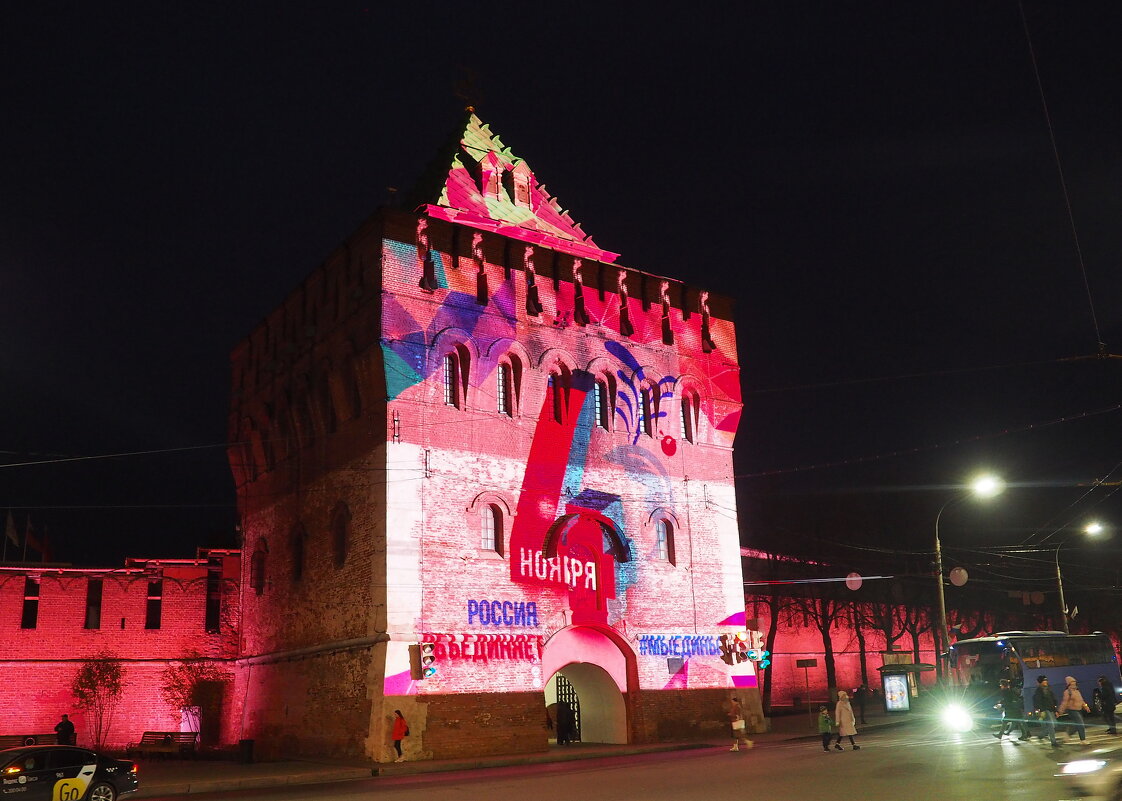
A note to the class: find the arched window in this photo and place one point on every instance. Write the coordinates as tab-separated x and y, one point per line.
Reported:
340	529
257	567
560	381
455	376
690	415
647	410
604	406
491	528
664	540
504	389
299	544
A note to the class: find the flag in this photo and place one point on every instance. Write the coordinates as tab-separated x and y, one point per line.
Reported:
45	548
10	535
33	542
10	530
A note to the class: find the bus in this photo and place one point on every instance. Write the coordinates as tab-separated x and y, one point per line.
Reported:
1021	656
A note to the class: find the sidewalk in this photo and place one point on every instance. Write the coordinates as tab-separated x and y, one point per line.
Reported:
175	777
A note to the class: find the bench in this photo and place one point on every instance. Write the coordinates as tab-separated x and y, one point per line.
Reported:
17	740
180	743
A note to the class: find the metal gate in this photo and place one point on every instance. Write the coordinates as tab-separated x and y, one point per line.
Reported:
567	694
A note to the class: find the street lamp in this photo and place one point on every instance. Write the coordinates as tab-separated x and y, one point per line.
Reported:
1092	529
985	486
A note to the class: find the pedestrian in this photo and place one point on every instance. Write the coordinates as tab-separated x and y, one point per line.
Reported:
566	723
825	727
1110	700
1012	710
400	732
846	722
65	731
861	695
1044	704
1074	706
739	726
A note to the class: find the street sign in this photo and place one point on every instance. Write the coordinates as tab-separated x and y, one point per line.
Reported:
804	663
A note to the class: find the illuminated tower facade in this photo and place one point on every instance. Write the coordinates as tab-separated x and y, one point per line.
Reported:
471	433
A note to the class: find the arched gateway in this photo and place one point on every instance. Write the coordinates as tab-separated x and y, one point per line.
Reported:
601	668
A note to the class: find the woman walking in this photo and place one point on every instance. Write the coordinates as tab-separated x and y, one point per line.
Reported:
1074	706
400	731
739	726
846	722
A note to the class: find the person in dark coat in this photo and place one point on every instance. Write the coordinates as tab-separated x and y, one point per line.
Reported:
566	723
1012	710
65	731
1110	700
1044	702
860	696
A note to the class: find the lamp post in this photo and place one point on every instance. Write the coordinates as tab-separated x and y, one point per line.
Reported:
982	487
1092	529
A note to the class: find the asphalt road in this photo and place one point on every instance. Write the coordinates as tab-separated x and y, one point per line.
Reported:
911	763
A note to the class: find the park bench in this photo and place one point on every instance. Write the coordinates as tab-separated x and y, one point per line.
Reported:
17	740
180	743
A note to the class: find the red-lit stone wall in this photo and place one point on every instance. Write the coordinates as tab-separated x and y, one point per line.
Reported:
794	642
39	664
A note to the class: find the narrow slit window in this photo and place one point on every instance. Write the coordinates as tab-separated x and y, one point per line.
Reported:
503	390
30	618
94	589
153	611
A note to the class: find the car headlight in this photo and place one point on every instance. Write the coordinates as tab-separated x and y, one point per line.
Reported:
1081	766
956	718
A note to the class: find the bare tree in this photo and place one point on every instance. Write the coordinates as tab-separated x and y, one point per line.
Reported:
822	609
97	688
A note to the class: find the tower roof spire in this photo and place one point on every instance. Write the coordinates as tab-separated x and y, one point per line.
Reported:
484	185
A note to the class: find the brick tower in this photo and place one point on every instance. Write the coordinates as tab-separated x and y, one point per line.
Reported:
470	433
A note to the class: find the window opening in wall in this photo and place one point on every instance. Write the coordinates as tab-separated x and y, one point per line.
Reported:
455	376
298	546
154	608
664	541
257	570
450	379
30	617
504	385
689	417
94	588
491	528
603	415
340	525
646	411
559	386
213	597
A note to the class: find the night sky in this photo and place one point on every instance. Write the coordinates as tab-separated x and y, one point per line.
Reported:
874	183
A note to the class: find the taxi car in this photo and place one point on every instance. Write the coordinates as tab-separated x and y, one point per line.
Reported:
64	773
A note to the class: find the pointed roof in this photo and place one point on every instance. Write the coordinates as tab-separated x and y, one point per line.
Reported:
481	184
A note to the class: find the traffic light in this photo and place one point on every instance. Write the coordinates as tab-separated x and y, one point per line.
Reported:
725	644
734	647
428	660
422	661
741	651
757	642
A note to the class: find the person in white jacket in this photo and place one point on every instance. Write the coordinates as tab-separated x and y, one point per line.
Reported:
846	722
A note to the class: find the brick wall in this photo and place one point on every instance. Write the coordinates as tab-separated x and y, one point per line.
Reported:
40	663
